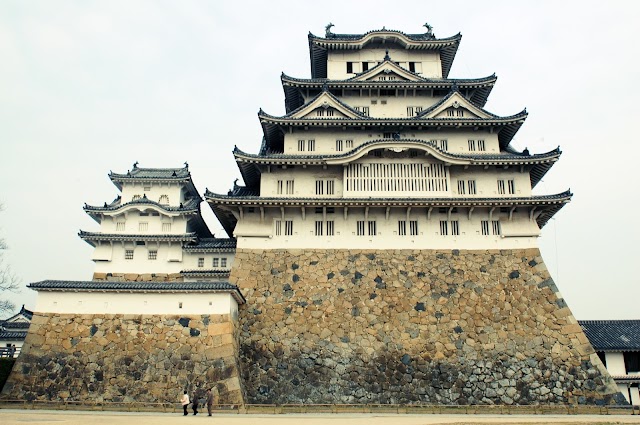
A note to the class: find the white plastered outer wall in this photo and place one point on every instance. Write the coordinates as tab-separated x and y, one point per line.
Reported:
156	192
427	64
169	303
325	140
169	258
616	367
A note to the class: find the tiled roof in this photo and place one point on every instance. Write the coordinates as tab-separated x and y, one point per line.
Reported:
212	244
205	273
15	325
89	237
13	335
190	205
153	173
612	335
108	286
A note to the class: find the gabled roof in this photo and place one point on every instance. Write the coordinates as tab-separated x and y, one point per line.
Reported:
319	46
612	335
12	335
324	100
477	90
163	287
539	163
544	207
190	206
22	316
158	175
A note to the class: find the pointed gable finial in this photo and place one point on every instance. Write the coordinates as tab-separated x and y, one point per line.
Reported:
386	55
186	164
325	86
135	164
174	174
454	87
429	28
327	30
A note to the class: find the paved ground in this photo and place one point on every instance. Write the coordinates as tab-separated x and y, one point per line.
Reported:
35	417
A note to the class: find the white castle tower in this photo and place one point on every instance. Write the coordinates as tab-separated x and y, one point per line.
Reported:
154	231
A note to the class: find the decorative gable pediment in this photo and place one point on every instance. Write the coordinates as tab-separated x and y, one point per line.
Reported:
387	71
324	106
455	106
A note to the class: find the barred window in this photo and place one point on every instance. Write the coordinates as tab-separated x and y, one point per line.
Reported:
511	184
413	227
278	224
289	187
372	228
223	262
455	228
472	145
216	262
301	145
444	227
481	146
501	190
128	254
461	187
311	145
484	227
143	227
279	186
339	146
166	227
201	262
153	255
402	228
360	228
319	228
495	227
164	200
288	227
349	143
330	228
120	226
471	185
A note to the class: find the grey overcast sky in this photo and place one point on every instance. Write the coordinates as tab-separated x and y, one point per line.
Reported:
87	87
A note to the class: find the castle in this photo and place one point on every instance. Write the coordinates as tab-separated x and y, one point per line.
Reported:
383	249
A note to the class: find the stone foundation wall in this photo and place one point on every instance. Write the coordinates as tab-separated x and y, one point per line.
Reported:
125	358
403	326
137	277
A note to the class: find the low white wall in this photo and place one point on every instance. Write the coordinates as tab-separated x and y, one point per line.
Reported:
135	303
615	363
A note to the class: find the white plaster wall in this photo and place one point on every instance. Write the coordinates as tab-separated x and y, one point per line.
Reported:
337	60
173	190
140	262
615	363
155	220
635	396
190	260
135	303
624	389
254	233
305	178
325	140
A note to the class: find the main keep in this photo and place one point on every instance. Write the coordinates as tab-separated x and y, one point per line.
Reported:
383	249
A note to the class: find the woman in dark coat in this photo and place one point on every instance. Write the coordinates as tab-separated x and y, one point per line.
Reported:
195	403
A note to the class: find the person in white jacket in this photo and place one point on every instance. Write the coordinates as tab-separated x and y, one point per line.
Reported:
185	402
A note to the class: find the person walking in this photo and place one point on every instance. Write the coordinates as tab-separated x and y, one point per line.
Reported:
185	402
209	401
195	403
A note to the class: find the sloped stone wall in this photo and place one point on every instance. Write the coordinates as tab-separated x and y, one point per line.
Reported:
126	358
403	326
